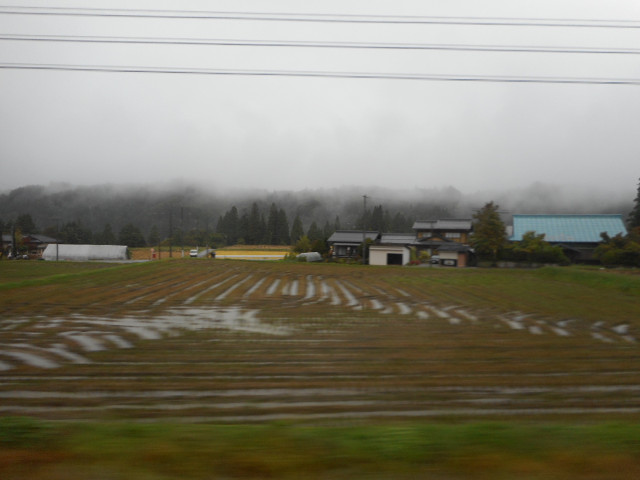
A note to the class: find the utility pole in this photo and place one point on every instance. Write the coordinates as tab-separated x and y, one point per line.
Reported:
57	237
170	232
364	231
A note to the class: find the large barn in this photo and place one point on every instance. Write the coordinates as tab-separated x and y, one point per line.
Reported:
578	235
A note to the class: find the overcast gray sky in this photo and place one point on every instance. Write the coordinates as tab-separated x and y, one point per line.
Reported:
284	132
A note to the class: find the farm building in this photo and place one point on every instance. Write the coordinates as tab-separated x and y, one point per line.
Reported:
392	249
345	243
36	244
83	253
578	235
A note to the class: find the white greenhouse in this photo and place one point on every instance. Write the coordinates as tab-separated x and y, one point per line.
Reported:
83	253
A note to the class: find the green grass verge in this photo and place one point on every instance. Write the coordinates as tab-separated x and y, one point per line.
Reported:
30	449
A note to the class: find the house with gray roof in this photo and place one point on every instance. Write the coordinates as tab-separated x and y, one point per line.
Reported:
345	243
446	240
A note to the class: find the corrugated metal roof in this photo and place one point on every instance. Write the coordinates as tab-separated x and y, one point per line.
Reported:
351	236
568	228
397	238
444	224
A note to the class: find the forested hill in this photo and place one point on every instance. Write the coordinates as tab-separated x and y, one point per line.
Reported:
154	210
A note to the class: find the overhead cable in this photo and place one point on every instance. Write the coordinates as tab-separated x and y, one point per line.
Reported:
311	44
321	74
315	17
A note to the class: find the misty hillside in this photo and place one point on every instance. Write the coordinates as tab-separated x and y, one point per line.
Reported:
192	207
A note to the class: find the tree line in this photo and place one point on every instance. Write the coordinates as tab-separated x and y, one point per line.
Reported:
251	227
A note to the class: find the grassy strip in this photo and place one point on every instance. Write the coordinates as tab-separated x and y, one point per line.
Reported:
554	291
31	449
37	274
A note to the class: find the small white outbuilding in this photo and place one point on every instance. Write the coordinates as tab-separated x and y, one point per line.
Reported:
83	253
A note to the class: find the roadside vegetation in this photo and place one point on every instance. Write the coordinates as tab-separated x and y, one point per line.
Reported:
33	450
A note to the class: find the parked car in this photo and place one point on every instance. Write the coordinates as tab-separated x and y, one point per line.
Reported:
193	253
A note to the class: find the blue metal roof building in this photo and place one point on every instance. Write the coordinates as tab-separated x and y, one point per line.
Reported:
568	229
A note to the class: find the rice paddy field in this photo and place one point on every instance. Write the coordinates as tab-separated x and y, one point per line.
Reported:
201	368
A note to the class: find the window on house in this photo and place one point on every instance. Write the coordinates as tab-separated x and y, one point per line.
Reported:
452	235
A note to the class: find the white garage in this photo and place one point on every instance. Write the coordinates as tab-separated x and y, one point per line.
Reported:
393	249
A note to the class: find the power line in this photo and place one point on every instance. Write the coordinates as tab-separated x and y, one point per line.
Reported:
321	74
315	17
309	44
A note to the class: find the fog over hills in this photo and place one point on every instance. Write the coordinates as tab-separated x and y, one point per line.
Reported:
191	206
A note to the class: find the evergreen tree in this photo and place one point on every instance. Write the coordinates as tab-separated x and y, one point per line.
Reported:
262	231
634	216
297	231
75	233
400	224
154	237
489	234
327	230
253	226
314	232
282	235
336	224
243	228
272	226
131	236
377	221
107	237
229	226
25	223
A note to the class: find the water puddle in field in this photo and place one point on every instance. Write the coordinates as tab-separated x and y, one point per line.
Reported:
224	294
535	330
253	288
273	287
93	334
311	289
30	359
335	298
351	299
118	341
193	298
86	342
61	350
176	289
560	332
440	313
602	338
255	392
376	304
295	284
403	308
469	316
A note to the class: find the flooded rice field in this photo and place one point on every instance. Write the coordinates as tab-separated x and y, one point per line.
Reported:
233	341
